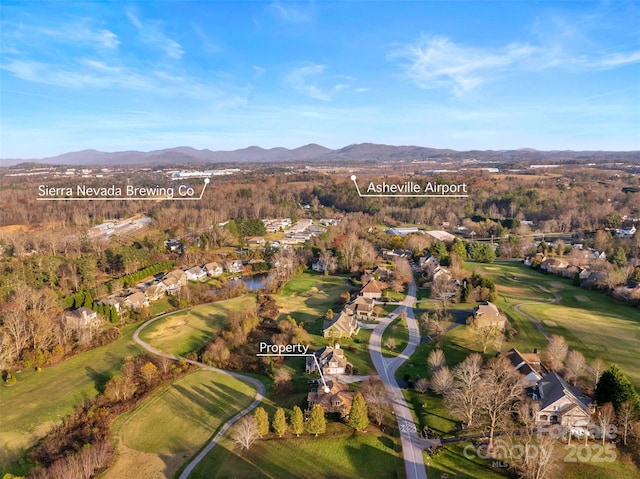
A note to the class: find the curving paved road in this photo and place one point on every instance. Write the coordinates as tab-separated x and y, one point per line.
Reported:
412	443
260	392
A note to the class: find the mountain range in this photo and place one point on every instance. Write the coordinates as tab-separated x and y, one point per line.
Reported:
314	153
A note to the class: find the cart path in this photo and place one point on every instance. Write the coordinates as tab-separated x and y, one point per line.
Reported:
260	392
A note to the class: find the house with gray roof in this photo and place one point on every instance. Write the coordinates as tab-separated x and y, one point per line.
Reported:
561	403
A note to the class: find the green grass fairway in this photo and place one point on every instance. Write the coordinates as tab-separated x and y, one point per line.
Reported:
308	297
353	457
590	321
40	400
182	416
186	331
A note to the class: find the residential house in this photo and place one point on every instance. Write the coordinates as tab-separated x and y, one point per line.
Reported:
554	265
331	361
136	301
596	279
343	326
440	274
337	400
487	314
213	269
627	231
233	266
379	273
428	262
111	301
255	240
318	265
361	308
84	323
173	245
527	364
196	273
156	291
81	317
535	259
373	289
561	403
174	281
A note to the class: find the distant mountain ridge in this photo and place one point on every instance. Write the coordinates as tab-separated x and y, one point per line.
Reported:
314	153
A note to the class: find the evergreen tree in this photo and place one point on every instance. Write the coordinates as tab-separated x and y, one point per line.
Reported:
619	257
87	300
615	387
113	314
296	423
459	248
78	300
279	424
316	424
262	418
358	418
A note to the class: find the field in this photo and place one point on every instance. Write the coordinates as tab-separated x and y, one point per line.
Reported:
186	331
590	321
192	409
350	456
40	400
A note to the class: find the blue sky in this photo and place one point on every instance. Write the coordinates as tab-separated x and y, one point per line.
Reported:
224	75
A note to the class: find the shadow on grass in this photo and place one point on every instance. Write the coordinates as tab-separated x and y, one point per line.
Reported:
100	378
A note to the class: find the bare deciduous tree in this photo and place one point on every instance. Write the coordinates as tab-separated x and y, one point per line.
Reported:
627	415
422	385
501	385
575	366
245	431
376	396
442	380
556	352
463	400
606	415
445	290
436	360
597	367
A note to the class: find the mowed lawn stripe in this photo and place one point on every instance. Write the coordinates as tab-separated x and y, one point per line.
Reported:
352	457
183	415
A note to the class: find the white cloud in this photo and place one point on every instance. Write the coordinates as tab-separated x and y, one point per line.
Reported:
437	62
291	13
80	31
313	80
152	34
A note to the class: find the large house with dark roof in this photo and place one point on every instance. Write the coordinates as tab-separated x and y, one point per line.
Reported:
561	403
337	400
527	364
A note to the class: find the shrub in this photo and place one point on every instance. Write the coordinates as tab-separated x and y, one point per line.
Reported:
10	379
